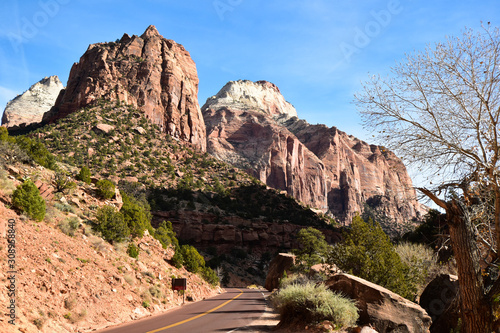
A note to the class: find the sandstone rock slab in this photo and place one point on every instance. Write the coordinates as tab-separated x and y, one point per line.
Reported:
280	264
379	307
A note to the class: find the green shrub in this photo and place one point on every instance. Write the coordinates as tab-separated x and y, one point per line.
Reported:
4	134
27	198
105	189
63	183
37	151
69	225
368	253
311	303
165	234
155	292
133	250
313	248
294	279
210	276
84	175
421	262
192	260
111	224
64	207
177	259
136	215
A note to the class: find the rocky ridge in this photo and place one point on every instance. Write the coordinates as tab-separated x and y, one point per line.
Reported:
150	72
320	166
29	107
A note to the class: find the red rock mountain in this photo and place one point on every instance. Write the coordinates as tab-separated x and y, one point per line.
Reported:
152	73
250	125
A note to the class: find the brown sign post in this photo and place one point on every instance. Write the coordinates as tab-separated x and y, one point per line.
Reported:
180	284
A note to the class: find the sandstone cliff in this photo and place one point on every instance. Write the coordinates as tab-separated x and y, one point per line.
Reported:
320	166
29	107
150	72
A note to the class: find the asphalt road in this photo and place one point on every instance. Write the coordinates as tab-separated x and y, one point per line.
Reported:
229	312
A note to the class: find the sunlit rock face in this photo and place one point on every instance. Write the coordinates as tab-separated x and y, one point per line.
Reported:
251	125
28	108
152	73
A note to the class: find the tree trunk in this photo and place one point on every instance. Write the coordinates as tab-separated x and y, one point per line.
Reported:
497	221
474	306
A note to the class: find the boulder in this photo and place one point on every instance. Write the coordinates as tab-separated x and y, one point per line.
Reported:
379	307
280	264
440	300
103	128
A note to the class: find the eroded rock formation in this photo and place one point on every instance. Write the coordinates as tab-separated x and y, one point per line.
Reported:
249	125
379	307
280	264
150	72
29	107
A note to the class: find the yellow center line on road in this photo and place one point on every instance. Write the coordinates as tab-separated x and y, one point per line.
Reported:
198	316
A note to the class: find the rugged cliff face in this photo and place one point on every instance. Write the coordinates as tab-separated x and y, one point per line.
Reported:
29	107
358	172
150	72
241	129
320	166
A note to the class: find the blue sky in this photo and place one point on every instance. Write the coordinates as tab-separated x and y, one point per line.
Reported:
316	51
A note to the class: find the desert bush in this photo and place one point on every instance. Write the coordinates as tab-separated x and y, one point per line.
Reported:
4	134
70	302
192	260
210	276
6	185
311	303
105	189
422	263
37	151
155	292
129	279
111	224
368	253
64	207
63	183
294	279
69	225
27	198
137	215
9	151
177	259
165	235
133	250
84	175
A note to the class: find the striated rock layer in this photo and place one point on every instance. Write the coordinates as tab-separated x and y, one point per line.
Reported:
150	72
29	107
249	125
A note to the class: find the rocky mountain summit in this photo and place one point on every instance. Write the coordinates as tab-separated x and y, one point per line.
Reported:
29	107
154	74
249	125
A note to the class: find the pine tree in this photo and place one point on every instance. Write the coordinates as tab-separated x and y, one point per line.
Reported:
368	253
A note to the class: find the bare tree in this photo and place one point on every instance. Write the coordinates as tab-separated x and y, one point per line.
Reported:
440	110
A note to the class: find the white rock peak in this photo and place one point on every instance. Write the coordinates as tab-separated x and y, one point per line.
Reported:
249	95
29	107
